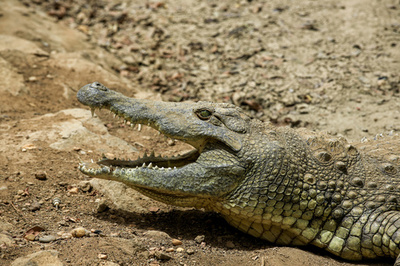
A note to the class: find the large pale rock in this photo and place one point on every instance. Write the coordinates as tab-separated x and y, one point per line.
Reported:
6	240
70	128
5	226
47	257
10	80
9	42
122	197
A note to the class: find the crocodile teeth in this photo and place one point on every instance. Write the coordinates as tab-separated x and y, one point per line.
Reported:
92	111
139	127
150	165
144	165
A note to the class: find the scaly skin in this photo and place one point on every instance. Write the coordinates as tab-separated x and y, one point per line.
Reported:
288	187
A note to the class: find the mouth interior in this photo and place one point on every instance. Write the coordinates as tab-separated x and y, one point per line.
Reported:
152	161
149	161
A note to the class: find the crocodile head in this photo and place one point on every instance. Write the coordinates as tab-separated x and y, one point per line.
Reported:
214	168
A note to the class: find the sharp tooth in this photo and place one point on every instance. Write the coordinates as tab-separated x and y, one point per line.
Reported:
150	165
156	167
139	128
144	165
152	154
162	168
145	155
92	111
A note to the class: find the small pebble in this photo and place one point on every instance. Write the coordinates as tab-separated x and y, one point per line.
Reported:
28	146
169	250
176	242
41	175
85	186
162	256
47	239
102	256
154	209
78	232
30	237
66	236
199	239
109	155
190	251
229	244
180	250
73	190
34	206
102	206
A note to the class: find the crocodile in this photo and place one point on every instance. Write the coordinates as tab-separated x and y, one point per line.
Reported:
288	186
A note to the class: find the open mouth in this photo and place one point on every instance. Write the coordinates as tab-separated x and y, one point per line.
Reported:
150	162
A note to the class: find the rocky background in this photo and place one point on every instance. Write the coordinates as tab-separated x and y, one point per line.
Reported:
325	65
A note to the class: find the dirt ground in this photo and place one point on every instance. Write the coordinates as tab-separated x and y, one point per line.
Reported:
326	65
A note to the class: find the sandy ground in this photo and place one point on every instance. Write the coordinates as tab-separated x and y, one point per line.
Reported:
325	65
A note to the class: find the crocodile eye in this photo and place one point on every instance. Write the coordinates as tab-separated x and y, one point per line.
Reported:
204	114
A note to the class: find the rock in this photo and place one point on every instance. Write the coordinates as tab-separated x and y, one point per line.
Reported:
34	206
79	232
30	237
102	206
102	256
6	240
122	197
109	263
41	175
199	239
229	244
190	251
169	250
47	257
157	235
73	190
85	186
11	80
4	226
162	256
47	239
180	250
66	236
176	242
